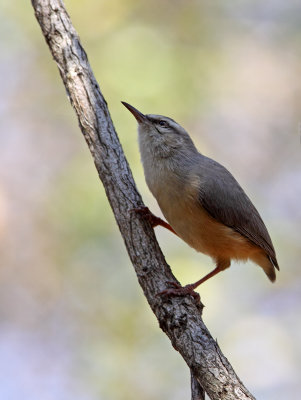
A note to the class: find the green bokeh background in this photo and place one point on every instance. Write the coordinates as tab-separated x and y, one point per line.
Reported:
74	322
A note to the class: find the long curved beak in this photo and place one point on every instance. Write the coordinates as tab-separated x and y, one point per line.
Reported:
137	114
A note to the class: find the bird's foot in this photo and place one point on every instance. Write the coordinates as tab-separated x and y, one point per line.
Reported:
178	290
147	215
151	218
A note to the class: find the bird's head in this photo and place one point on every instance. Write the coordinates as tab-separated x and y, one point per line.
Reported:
161	135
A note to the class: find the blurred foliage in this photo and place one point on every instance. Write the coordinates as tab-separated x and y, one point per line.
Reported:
74	322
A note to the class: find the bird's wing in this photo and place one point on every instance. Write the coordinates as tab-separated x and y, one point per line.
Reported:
224	199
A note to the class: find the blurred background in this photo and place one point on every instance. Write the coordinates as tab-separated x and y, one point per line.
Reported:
74	322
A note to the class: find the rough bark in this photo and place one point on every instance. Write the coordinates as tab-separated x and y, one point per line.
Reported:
197	392
179	317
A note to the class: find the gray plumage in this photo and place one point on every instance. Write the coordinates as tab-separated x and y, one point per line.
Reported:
200	199
236	211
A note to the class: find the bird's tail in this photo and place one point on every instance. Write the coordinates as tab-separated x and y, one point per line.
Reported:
267	265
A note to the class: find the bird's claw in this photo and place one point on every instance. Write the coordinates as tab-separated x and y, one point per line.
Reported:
178	290
142	210
147	215
174	285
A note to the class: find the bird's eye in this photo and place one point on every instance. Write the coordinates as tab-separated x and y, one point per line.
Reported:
163	123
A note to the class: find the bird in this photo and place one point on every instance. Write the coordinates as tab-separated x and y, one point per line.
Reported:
201	200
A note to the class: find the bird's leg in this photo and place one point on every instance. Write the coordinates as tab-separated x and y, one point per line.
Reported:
153	219
178	290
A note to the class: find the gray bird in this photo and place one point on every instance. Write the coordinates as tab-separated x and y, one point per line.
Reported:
201	200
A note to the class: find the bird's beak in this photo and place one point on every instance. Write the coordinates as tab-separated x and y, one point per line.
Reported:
137	114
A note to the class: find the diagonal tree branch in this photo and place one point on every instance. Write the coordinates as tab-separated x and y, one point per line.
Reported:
180	318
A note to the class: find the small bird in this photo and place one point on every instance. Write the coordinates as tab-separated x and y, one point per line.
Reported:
201	200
